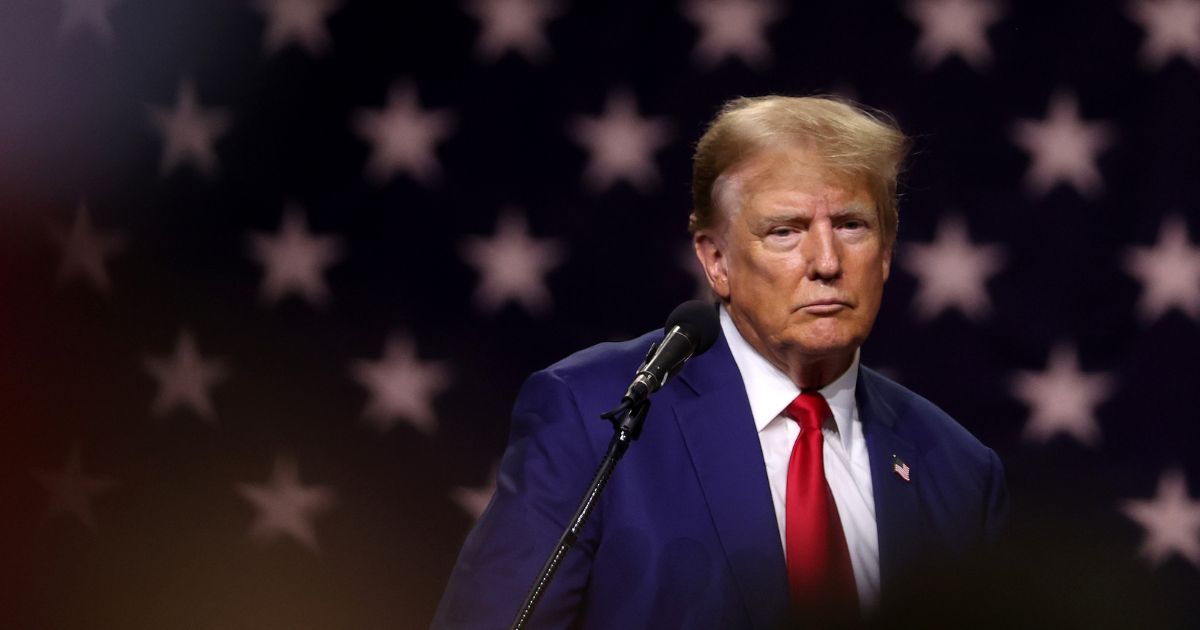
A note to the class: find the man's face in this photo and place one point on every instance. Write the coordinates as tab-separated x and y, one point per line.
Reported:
799	257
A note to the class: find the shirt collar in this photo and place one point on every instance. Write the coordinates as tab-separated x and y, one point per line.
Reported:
770	391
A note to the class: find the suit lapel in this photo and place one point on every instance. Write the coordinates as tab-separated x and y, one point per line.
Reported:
718	430
897	513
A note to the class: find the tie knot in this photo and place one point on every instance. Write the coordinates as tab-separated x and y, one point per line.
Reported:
809	410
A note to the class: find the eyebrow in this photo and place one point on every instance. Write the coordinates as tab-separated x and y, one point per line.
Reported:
854	209
849	210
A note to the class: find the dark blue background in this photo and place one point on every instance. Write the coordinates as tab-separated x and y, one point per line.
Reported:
171	549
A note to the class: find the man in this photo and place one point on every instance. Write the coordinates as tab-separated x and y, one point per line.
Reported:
776	478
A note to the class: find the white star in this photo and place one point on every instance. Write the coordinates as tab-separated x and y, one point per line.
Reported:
1063	148
1062	399
294	260
91	14
621	144
1171	520
953	27
185	378
189	131
84	250
952	272
1172	29
1169	272
285	506
300	22
403	136
515	25
689	263
512	265
732	28
401	386
71	491
474	501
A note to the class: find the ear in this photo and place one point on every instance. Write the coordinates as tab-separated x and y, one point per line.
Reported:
887	262
710	251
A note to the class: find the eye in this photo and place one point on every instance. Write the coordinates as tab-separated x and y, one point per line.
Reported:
782	231
854	224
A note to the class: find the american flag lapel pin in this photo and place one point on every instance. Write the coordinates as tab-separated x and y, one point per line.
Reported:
900	468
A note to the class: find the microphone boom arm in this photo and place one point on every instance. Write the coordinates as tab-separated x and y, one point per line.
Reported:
691	329
627	422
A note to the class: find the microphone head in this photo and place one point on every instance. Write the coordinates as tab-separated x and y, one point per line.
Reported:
699	320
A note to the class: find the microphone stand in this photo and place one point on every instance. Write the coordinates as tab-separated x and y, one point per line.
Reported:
627	421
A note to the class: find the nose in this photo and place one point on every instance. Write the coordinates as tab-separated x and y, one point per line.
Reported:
822	253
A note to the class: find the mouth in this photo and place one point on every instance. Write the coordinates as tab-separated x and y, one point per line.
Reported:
824	307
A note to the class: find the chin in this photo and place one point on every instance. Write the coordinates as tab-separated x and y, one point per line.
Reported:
821	338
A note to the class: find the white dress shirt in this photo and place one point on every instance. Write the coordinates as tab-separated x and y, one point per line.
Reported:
847	467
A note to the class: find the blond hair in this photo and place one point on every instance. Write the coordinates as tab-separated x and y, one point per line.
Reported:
850	140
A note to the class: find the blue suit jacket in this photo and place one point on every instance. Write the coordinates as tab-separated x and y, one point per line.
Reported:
685	535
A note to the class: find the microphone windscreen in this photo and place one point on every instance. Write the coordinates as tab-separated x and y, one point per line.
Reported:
699	320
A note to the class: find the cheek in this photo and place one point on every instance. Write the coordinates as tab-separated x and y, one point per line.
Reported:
774	268
870	291
871	269
761	283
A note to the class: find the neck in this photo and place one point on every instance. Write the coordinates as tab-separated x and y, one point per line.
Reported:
813	374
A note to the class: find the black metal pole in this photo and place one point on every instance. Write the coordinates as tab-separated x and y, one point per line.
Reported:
626	426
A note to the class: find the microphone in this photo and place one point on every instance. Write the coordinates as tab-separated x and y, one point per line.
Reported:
691	329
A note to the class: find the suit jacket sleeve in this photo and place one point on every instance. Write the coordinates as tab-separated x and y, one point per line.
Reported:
546	467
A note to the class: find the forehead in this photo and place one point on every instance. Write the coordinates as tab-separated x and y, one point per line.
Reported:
786	180
796	169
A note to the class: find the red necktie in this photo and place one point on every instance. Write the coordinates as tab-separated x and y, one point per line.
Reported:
818	561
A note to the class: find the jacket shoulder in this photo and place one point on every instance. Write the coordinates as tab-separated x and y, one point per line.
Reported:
604	362
589	381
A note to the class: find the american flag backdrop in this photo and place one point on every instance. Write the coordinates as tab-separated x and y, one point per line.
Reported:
272	271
